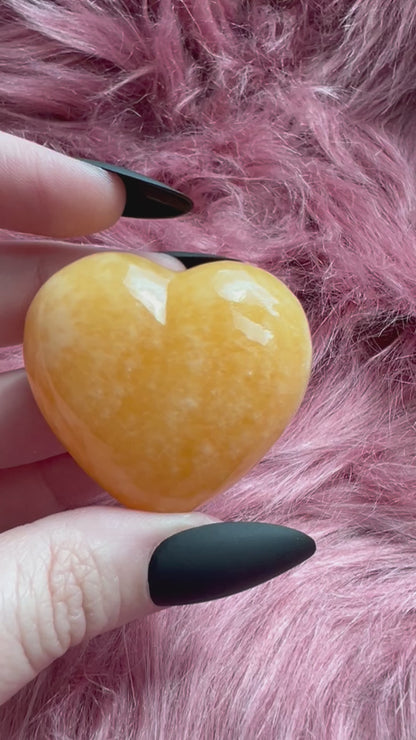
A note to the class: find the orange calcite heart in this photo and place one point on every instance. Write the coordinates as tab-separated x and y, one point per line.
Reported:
166	387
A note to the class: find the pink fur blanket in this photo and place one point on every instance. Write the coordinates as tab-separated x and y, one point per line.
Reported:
292	125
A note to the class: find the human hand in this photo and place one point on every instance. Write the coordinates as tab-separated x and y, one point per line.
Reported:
68	574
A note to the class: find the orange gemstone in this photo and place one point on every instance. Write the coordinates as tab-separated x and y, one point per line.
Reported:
166	387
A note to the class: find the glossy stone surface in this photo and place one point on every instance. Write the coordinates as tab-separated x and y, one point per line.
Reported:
166	387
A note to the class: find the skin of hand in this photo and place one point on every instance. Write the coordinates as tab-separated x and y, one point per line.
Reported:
72	569
72	573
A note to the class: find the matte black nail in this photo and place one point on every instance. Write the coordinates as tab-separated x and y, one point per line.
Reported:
193	259
147	198
218	560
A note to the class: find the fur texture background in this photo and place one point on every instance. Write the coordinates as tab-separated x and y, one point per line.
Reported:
293	127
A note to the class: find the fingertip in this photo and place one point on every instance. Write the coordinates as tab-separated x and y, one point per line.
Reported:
48	193
105	201
165	260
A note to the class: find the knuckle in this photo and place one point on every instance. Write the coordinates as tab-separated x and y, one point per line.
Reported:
70	571
81	590
66	589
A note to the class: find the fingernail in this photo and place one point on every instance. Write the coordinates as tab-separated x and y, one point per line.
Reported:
217	560
193	259
147	198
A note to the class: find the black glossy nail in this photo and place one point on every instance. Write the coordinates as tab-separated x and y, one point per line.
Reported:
147	198
218	560
193	259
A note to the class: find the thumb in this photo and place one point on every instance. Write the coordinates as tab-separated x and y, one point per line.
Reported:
78	574
70	577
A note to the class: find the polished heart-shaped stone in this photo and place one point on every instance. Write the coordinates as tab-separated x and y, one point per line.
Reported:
166	387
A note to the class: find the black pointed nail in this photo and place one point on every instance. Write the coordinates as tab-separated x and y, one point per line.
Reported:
193	259
147	198
218	560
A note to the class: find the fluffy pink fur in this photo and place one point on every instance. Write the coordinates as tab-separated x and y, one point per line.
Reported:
292	125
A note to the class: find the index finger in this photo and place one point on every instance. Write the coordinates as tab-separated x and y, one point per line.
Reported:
47	193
